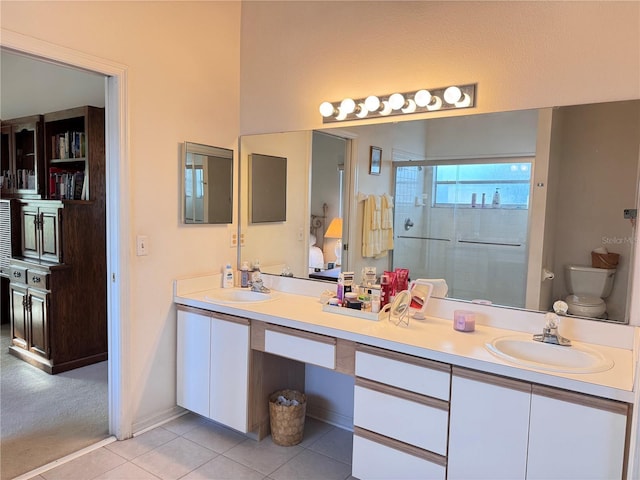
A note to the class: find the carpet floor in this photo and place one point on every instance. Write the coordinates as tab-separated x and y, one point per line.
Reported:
45	417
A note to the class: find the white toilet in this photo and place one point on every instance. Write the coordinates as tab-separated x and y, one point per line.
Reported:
587	288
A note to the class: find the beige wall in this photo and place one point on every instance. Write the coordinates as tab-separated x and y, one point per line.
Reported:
183	84
522	54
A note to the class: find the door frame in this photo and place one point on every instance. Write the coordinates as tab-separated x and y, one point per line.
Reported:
118	219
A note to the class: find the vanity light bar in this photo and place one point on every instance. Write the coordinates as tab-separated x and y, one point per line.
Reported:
419	101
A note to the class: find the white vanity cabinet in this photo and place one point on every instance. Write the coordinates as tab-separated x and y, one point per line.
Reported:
503	428
575	436
213	366
489	426
400	416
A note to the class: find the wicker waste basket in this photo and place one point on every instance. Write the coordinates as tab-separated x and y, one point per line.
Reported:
604	260
287	409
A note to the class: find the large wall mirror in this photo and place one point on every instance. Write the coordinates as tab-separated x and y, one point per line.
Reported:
207	184
565	177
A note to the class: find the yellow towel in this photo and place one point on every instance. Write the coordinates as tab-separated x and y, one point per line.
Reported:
377	226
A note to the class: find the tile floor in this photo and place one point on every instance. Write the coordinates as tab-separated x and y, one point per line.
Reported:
191	447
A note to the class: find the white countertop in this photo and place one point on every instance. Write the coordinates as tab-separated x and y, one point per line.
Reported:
432	338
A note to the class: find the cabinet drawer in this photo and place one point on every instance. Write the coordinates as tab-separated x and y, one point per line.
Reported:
375	457
18	274
408	417
302	346
404	371
38	279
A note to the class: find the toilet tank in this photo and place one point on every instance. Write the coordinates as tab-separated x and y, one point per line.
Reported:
583	280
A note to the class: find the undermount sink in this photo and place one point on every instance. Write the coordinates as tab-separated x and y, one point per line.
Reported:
236	295
522	350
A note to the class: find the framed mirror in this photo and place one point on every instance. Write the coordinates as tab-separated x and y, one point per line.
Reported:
207	184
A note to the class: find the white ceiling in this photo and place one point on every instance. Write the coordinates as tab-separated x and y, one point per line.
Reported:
30	86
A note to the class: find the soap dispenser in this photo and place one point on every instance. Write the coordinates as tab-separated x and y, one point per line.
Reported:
496	199
244	274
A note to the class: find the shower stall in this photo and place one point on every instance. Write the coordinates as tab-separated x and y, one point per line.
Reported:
449	225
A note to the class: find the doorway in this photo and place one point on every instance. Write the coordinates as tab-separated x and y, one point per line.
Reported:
117	191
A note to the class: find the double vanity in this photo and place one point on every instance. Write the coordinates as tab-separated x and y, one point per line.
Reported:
428	401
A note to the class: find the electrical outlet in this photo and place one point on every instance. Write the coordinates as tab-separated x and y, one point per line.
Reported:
142	245
233	239
630	213
300	234
242	239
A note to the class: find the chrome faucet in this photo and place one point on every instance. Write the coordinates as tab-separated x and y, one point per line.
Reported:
256	283
550	332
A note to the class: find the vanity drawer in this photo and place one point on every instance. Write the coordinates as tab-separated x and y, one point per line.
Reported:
404	371
376	457
405	416
302	346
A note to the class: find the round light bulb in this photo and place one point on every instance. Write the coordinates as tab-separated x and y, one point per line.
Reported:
422	98
372	103
396	101
435	104
348	105
411	106
327	109
342	114
452	95
362	111
465	101
386	108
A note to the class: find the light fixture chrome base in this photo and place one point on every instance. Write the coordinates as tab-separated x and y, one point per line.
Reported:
419	101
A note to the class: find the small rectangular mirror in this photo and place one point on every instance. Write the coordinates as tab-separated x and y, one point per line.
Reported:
268	188
207	184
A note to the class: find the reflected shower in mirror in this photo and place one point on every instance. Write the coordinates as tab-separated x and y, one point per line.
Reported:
207	184
581	169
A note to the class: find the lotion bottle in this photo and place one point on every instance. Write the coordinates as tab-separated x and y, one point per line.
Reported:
227	277
496	199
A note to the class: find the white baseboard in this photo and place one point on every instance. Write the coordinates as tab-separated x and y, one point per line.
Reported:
156	420
332	418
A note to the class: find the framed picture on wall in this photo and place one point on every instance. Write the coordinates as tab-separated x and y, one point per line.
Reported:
375	160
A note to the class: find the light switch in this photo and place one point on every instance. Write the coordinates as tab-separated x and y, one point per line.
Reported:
142	245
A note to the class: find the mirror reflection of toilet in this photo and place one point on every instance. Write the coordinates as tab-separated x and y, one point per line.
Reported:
588	287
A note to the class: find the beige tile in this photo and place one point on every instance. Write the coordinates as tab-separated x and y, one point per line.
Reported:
127	471
174	459
313	431
312	466
136	446
223	468
215	437
87	466
264	456
337	444
184	423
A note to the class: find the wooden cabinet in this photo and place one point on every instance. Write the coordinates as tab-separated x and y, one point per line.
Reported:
21	157
502	428
400	415
213	366
40	225
74	153
60	321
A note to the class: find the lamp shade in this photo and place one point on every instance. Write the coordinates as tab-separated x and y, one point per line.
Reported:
335	229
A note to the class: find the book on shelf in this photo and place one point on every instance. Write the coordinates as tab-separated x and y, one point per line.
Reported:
68	145
66	184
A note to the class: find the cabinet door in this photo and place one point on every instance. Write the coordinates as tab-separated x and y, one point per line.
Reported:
7	168
39	323
50	234
29	219
193	361
19	318
26	149
488	427
229	373
574	436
